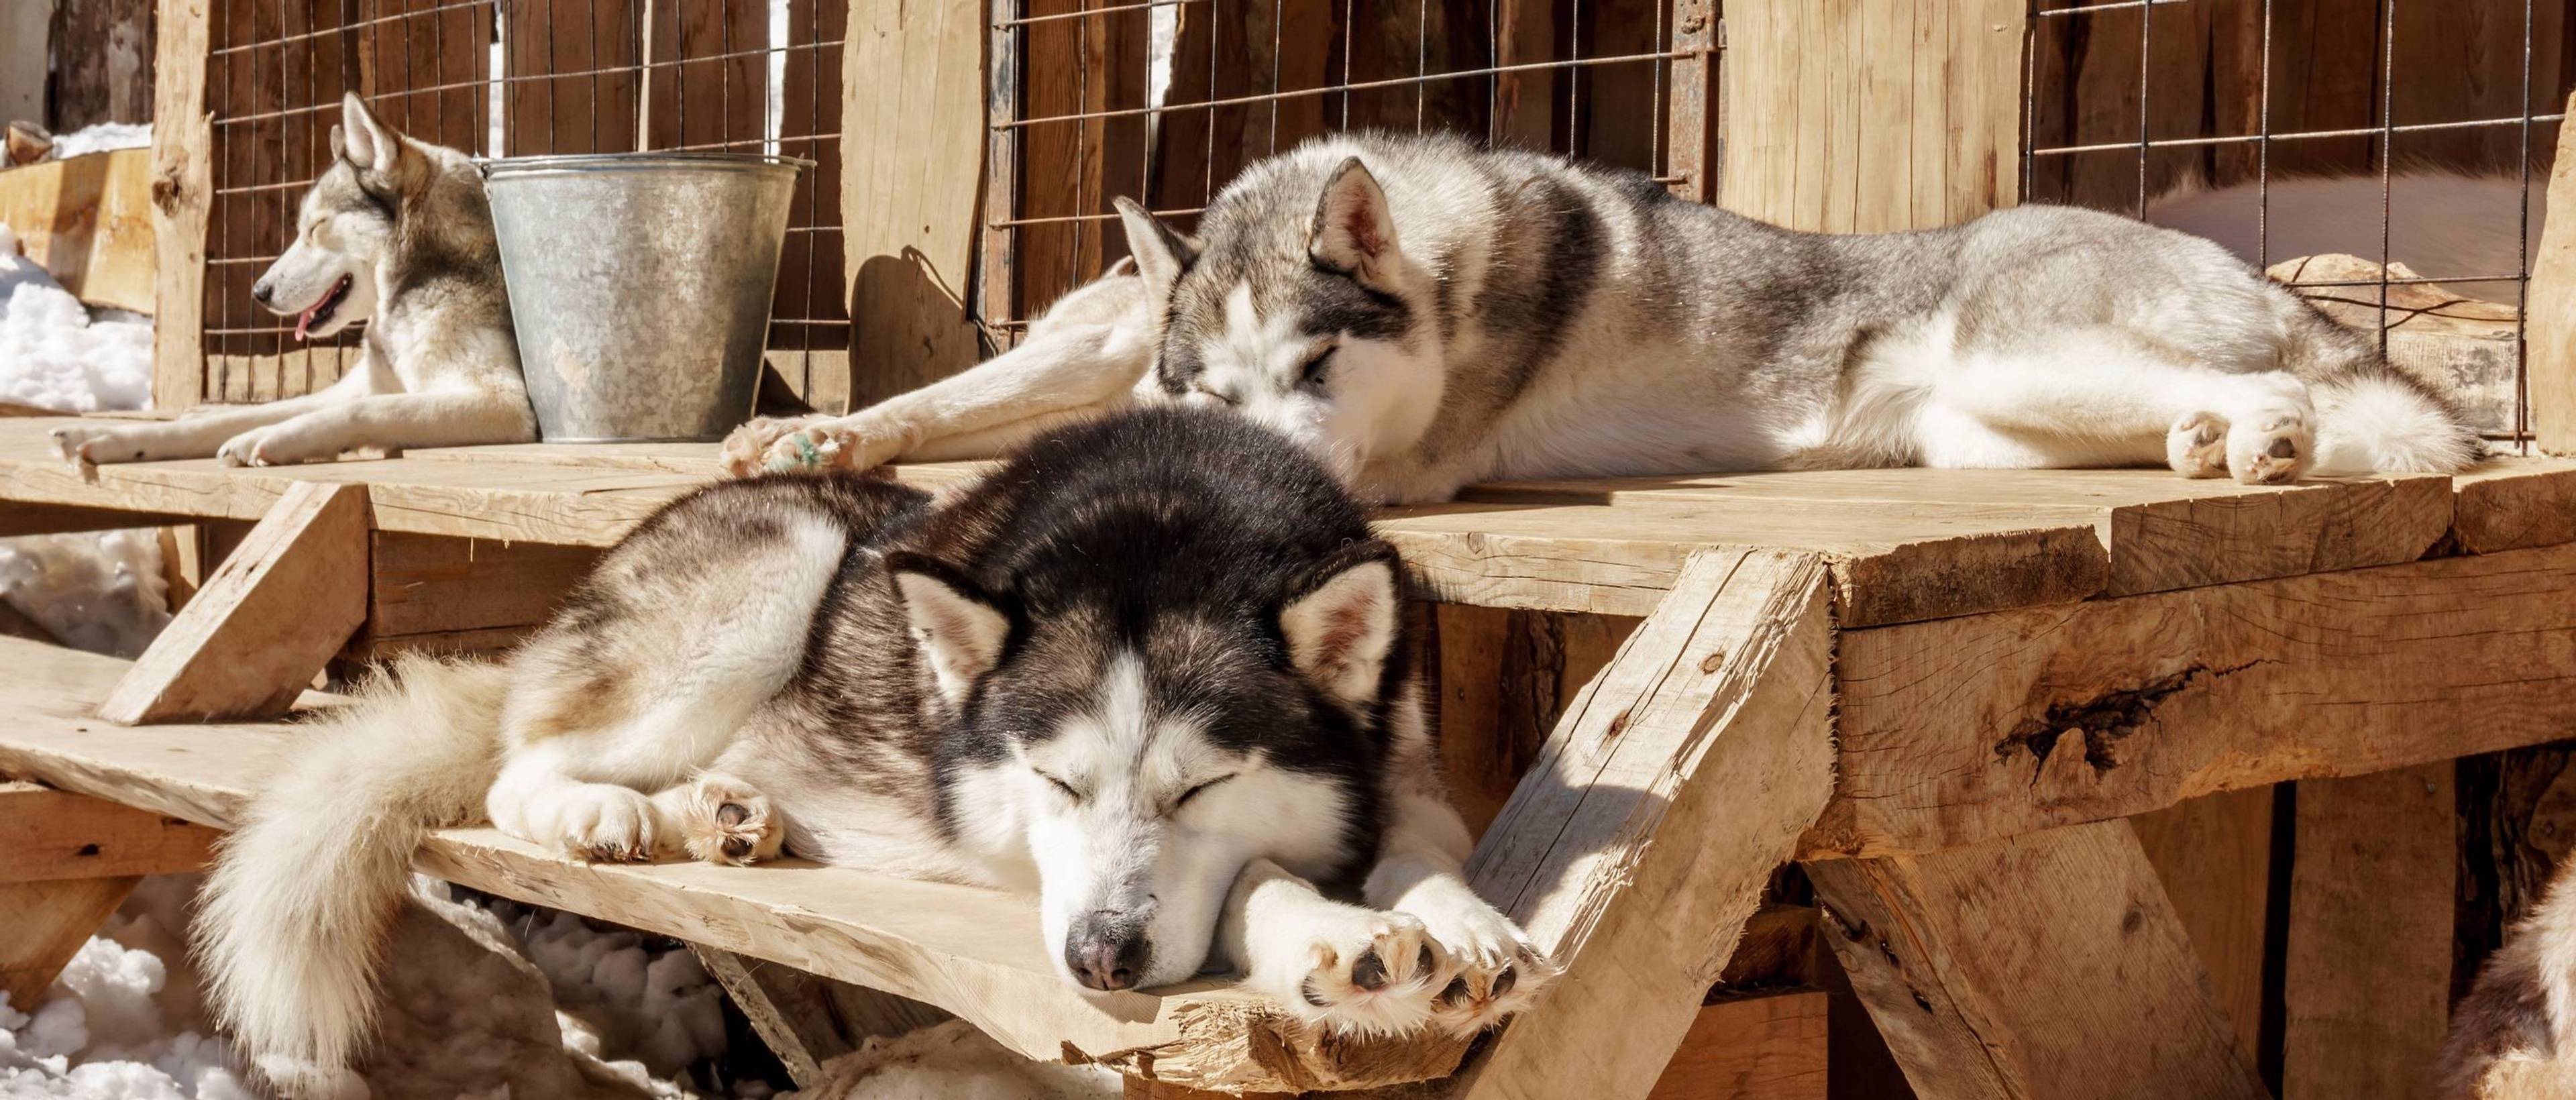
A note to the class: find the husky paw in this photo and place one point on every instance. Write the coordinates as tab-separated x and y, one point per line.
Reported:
274	445
1371	973
723	820
86	446
2196	446
1495	971
746	449
603	823
2270	449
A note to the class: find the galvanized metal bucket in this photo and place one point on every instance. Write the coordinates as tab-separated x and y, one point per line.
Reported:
640	286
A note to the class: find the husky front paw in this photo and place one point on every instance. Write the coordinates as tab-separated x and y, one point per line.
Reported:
2270	449
87	446
723	820
1366	972
274	445
746	449
602	823
2196	446
1495	972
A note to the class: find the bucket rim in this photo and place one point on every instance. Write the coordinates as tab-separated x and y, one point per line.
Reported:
491	167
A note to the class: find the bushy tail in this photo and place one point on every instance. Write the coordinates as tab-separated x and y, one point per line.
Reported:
291	923
2514	1035
2386	423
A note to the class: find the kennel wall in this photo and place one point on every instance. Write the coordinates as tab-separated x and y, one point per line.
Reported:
258	87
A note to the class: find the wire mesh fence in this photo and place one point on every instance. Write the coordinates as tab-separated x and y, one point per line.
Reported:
513	78
1166	100
2412	133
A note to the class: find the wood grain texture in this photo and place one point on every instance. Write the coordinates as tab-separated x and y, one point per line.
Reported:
2041	966
1642	838
433	591
1757	1046
43	924
2550	310
2214	856
1957	731
47	834
1503	678
88	222
1878	115
182	188
912	147
2510	504
974	952
2368	978
254	636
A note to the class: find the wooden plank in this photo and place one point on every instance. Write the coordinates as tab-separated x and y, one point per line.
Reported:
912	146
2550	309
971	951
21	518
252	639
2512	503
182	187
806	1020
46	834
2214	857
87	220
427	584
1833	122
1890	564
43	924
1759	1046
2160	531
2047	965
2368	978
1503	678
1642	838
1957	731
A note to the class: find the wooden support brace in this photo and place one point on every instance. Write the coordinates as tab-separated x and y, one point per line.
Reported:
265	623
1640	841
2041	966
2367	974
46	835
43	924
807	1020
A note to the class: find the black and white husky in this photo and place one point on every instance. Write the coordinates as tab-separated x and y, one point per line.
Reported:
395	233
1427	314
1154	670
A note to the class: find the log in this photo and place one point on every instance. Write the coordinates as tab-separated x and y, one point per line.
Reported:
2041	966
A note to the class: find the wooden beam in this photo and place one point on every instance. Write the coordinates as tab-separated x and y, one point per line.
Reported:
2551	313
1642	838
1962	730
182	187
808	1021
2041	966
2214	857
272	615
1768	1045
43	924
46	834
912	157
2373	882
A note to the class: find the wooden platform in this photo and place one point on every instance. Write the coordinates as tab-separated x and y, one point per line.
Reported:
1918	682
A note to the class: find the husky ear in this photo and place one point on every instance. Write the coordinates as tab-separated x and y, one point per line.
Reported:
1341	627
364	141
1161	254
959	629
1352	231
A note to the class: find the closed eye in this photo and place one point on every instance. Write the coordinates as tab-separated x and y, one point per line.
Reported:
1193	792
1316	365
1063	786
1219	396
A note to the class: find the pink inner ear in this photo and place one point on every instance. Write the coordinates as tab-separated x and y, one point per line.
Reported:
1361	223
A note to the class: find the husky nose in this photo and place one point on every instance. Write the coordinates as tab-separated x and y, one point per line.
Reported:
1106	949
261	292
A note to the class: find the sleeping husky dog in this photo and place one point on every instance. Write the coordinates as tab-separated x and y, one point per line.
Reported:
1154	670
395	233
1426	314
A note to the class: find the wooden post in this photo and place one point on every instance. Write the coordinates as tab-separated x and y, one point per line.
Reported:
272	615
182	187
912	146
2367	984
1642	837
2214	856
1854	116
2552	320
2045	965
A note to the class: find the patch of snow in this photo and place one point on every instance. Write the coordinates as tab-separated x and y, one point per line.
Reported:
55	355
103	137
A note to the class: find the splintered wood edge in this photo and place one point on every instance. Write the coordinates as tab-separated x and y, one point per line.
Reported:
1249	1046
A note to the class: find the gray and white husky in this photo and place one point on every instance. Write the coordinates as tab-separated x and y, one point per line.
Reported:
1154	670
1427	314
395	233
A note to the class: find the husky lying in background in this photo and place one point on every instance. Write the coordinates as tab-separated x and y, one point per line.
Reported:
395	233
2514	1036
1154	669
1427	314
